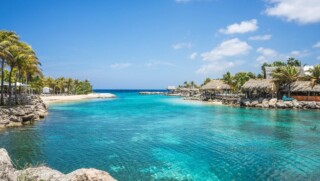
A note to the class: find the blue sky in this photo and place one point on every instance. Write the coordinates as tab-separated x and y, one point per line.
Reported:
155	43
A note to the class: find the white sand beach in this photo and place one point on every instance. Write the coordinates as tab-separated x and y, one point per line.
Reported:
69	98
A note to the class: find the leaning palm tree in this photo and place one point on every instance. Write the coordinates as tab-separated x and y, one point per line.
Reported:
315	75
18	52
286	76
7	38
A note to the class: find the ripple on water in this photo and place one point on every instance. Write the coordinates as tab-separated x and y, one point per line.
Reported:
160	138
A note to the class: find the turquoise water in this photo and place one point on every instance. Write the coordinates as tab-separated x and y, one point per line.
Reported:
137	137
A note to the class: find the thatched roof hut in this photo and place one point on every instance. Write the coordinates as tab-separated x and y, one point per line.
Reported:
216	85
303	86
262	85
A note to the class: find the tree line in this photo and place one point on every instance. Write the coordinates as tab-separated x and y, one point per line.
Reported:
63	85
20	64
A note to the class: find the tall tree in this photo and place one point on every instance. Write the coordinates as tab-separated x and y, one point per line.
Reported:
7	38
315	75
228	79
286	75
293	62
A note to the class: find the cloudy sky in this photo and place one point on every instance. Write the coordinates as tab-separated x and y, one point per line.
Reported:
155	43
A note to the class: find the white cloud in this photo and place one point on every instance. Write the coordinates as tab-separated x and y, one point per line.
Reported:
260	37
266	55
182	45
295	53
228	48
153	63
193	55
270	55
243	27
317	45
300	11
215	67
120	66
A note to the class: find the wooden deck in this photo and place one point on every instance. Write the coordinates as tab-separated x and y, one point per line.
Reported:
307	98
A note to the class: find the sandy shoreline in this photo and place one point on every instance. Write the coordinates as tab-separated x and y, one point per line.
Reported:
203	102
69	98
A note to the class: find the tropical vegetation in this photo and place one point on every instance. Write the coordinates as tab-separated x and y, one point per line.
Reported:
20	64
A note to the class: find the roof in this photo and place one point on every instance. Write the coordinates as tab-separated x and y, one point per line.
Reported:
269	71
188	89
265	85
303	86
216	85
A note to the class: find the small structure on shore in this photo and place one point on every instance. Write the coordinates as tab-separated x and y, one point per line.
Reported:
171	89
46	90
187	92
214	88
152	93
256	88
304	91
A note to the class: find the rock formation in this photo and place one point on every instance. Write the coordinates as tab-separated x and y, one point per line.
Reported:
9	173
32	109
280	104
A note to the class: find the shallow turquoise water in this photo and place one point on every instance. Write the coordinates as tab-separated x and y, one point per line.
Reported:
138	137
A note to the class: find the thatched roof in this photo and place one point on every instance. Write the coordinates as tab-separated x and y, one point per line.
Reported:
216	85
188	89
303	86
263	85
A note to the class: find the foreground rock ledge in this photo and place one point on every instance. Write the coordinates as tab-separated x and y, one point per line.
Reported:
9	173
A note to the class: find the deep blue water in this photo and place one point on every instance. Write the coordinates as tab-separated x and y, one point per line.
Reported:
136	137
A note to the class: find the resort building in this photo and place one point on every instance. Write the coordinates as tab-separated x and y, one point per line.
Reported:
214	90
171	89
257	88
187	92
304	91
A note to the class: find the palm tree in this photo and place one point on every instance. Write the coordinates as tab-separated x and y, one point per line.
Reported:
6	40
240	78
186	84
286	75
206	81
17	53
193	84
315	75
228	79
69	83
293	62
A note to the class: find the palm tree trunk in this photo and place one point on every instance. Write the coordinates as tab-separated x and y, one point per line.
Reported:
10	93
289	90
15	89
2	81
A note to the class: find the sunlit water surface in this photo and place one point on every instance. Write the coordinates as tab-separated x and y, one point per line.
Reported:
137	137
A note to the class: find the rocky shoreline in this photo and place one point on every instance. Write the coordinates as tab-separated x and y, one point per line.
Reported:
9	173
280	104
33	109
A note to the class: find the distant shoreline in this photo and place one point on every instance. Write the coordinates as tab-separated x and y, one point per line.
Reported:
70	98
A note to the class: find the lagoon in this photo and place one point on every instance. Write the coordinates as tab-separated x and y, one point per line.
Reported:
154	137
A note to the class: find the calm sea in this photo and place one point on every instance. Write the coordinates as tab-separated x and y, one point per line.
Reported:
136	137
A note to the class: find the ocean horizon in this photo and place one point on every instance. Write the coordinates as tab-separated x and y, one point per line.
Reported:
155	137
